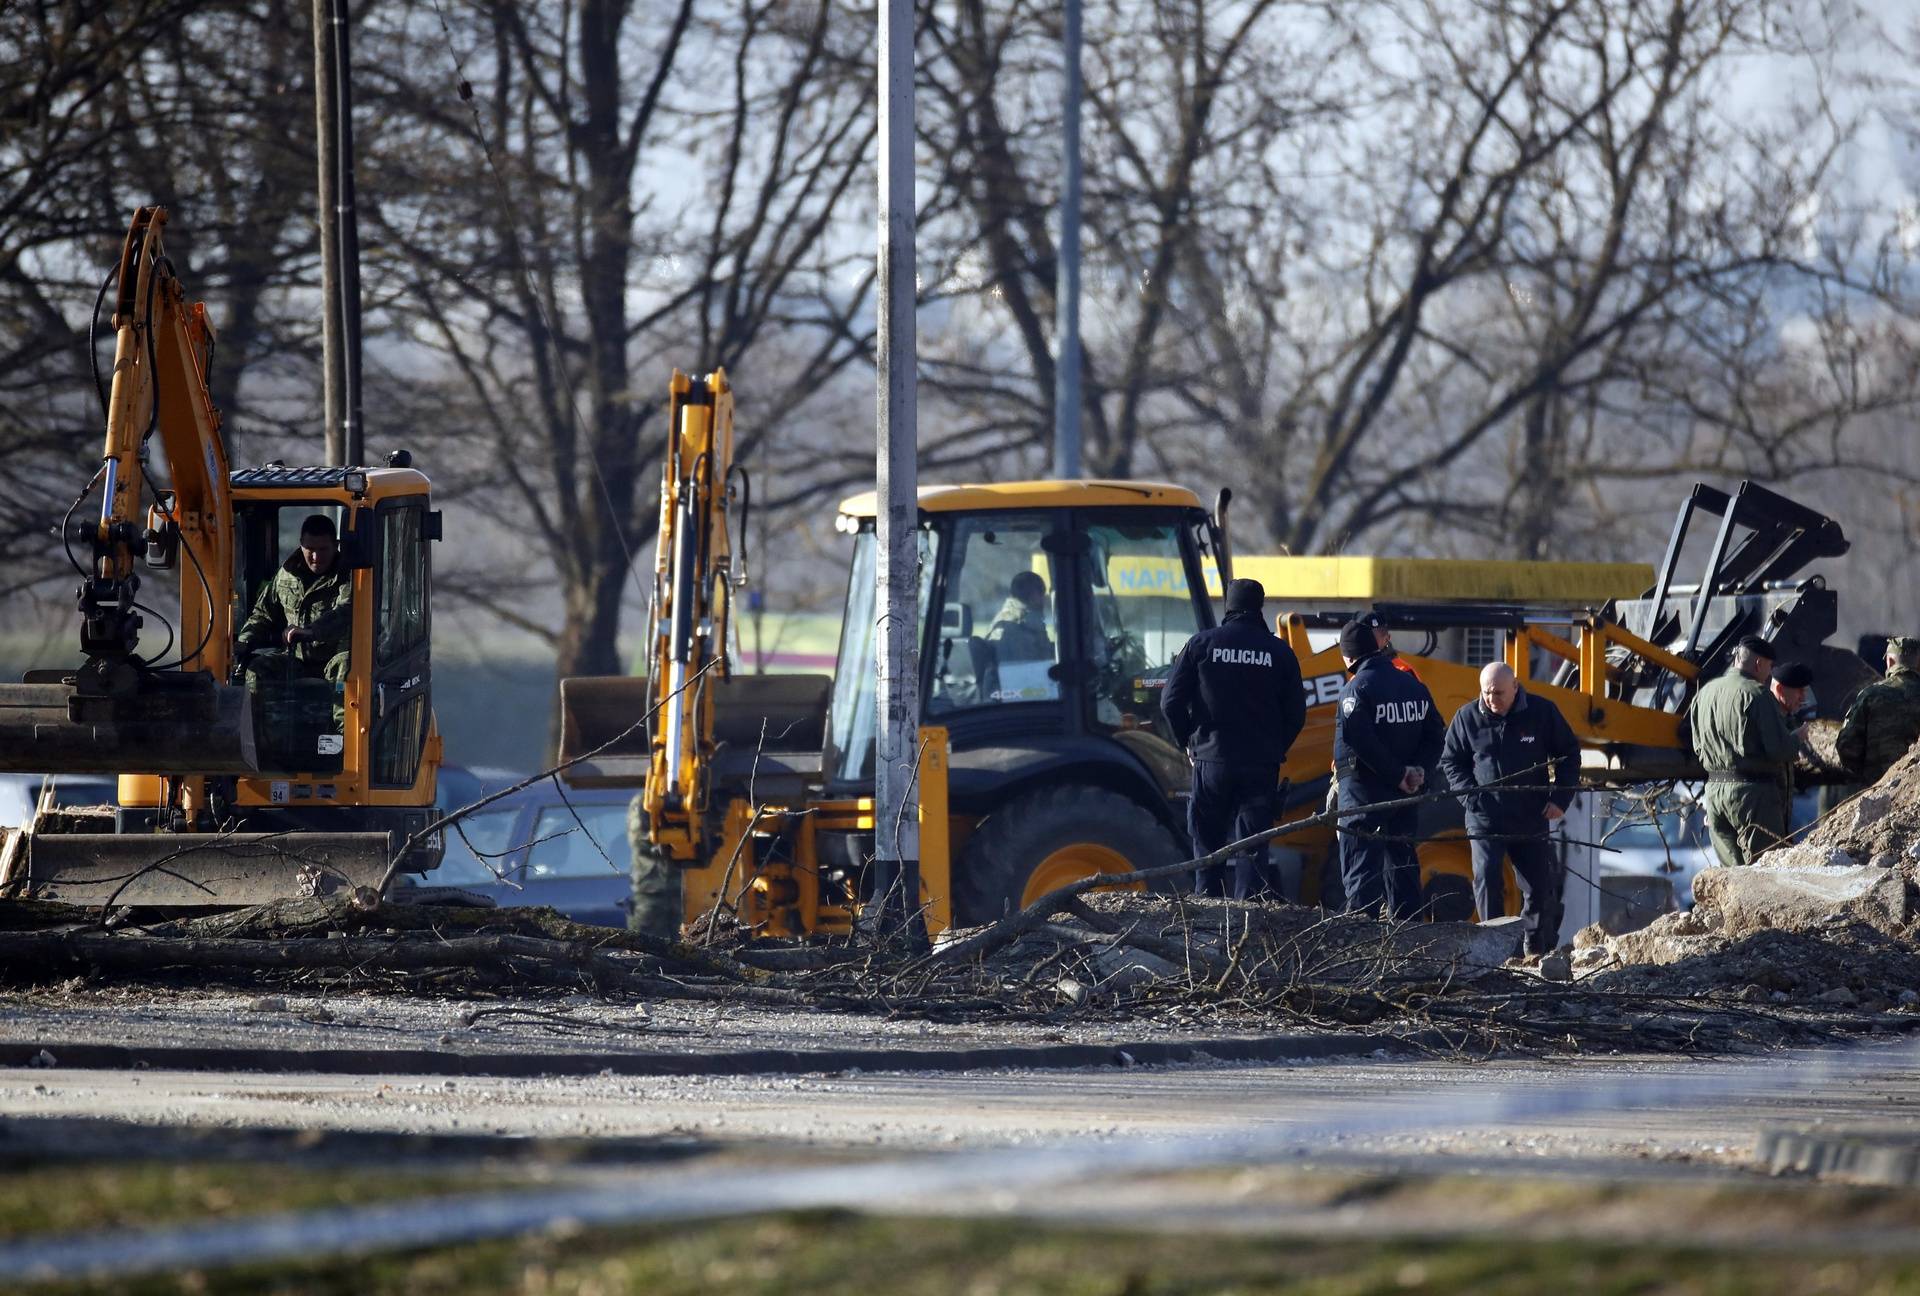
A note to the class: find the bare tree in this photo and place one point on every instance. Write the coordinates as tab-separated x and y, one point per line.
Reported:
581	199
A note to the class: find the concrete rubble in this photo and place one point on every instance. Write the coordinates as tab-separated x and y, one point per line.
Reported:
1833	920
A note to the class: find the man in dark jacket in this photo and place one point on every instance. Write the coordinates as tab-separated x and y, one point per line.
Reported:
1516	763
1386	733
1234	701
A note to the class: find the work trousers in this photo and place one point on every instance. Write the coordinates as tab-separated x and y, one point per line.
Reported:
657	902
1744	819
1542	880
1379	865
1231	802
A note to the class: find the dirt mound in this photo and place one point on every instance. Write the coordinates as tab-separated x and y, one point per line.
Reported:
1853	965
1883	820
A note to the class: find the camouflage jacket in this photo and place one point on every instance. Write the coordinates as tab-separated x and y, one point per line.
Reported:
1737	728
1881	724
322	604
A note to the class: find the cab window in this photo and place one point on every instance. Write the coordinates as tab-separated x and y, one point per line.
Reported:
999	633
1139	609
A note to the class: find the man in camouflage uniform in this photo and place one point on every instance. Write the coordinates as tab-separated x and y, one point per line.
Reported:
302	622
1884	719
656	882
1742	740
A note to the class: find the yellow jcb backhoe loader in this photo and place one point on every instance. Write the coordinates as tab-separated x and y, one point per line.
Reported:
229	793
1052	611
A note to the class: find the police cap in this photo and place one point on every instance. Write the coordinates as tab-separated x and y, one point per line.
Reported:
1357	641
1246	596
1794	674
1372	620
1757	646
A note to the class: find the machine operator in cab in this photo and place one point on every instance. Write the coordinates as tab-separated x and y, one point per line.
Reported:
1234	701
1386	736
302	621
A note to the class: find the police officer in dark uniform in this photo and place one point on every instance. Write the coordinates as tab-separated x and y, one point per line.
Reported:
1235	702
1386	736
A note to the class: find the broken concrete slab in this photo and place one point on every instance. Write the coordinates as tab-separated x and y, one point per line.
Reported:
1461	950
1757	898
1869	808
1124	968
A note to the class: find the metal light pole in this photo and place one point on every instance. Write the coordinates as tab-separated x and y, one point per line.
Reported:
326	142
896	838
1066	373
352	431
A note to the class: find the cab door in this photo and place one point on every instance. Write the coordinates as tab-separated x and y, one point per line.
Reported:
1140	594
401	701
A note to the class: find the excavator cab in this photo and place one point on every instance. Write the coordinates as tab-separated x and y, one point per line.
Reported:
297	691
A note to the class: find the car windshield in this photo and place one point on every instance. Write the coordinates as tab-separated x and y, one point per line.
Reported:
580	841
1665	831
479	849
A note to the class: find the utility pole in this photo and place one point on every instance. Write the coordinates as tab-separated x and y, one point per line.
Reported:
326	142
896	837
1066	295
352	429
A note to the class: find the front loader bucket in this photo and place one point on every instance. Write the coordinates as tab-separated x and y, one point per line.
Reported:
187	870
175	723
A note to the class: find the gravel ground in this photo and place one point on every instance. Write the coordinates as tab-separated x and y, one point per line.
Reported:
1419	1112
135	1017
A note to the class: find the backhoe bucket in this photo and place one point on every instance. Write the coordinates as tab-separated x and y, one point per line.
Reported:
189	870
175	723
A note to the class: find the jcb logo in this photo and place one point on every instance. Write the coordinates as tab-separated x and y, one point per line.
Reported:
1322	690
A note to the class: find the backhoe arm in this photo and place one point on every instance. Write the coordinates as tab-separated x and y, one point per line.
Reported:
118	711
694	578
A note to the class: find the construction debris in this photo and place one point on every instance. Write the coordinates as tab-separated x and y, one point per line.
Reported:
1833	920
1815	941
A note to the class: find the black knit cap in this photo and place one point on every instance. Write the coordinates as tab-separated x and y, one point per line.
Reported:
1794	674
1357	642
1246	596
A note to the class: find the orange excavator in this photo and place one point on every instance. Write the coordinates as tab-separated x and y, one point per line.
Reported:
230	792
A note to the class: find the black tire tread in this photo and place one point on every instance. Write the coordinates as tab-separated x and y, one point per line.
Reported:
994	868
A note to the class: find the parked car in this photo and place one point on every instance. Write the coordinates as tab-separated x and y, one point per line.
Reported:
536	847
20	793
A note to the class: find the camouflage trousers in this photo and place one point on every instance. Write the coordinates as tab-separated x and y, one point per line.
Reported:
280	664
656	882
1744	819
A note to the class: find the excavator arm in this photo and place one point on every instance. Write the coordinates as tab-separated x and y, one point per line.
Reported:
119	710
694	579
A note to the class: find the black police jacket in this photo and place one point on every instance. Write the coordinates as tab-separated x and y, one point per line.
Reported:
1234	694
1384	722
1484	751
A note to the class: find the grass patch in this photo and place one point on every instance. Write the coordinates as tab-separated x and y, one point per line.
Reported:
71	1198
831	1252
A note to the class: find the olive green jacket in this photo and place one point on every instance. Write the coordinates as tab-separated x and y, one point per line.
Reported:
322	604
1738	728
1881	724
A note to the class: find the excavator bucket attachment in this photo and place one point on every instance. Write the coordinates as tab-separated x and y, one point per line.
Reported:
188	870
176	722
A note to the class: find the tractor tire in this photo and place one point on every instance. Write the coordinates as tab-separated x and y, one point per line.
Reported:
1047	838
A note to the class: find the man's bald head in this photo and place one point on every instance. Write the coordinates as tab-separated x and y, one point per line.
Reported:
1498	687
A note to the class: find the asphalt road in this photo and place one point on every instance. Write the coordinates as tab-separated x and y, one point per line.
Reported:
1406	1111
